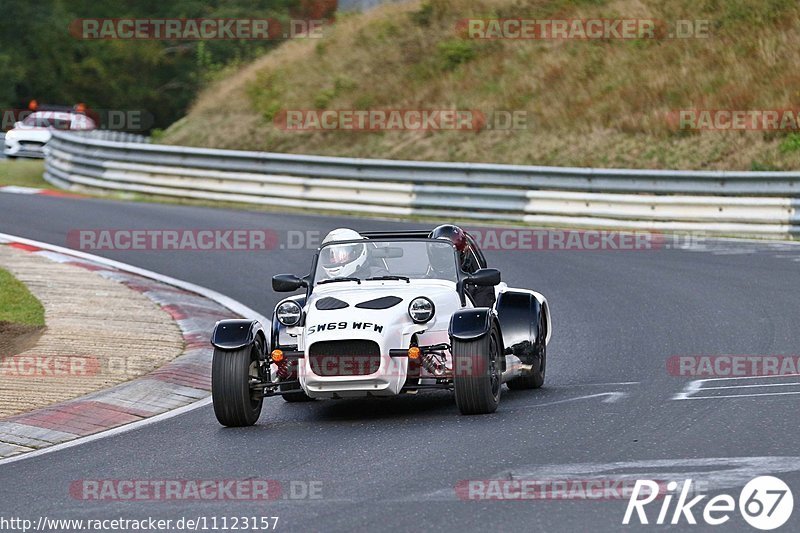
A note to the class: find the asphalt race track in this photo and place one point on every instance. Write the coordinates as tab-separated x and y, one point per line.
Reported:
393	464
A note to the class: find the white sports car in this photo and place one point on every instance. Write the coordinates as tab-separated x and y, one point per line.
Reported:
385	314
28	137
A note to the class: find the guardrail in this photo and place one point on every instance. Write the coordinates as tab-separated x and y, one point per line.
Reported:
753	203
113	135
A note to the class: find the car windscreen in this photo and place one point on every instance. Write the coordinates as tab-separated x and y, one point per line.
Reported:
47	121
413	259
58	121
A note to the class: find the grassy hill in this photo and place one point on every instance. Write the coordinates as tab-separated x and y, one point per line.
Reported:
599	103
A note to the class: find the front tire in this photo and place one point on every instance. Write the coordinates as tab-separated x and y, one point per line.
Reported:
477	373
235	404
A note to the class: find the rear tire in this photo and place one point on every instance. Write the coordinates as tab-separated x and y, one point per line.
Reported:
535	379
477	373
231	373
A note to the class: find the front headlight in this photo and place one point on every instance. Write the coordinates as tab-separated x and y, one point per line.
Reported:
289	313
421	310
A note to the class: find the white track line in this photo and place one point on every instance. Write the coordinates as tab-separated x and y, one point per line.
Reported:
759	385
766	376
570	386
608	397
738	395
692	390
237	307
15	189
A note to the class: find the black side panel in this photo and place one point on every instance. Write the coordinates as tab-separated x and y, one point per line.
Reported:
519	314
470	324
235	334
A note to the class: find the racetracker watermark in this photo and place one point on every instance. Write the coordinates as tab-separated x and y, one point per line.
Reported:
49	366
736	119
173	239
487	239
581	29
377	120
727	366
166	490
565	240
107	119
194	523
597	489
539	240
41	366
181	29
425	365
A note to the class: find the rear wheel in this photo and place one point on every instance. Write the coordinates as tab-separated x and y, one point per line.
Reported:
235	403
535	378
477	373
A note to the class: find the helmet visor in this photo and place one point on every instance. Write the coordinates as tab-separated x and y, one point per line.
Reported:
440	257
340	254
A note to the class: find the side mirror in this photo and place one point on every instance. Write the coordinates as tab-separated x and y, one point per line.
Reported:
18	124
287	283
488	277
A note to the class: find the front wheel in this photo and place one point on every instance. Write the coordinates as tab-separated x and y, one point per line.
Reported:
235	403
477	373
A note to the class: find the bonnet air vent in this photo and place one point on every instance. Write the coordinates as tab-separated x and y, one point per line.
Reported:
329	303
380	303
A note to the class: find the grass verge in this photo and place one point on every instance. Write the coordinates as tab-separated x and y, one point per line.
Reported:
598	102
24	173
17	304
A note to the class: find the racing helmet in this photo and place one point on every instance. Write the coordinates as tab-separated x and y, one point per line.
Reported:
342	260
452	233
444	262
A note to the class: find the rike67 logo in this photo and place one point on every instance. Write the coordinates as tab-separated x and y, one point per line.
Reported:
765	503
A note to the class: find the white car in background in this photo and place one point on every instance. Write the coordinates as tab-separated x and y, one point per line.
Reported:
29	136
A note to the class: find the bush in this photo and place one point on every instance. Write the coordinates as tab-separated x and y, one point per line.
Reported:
455	52
423	16
758	166
790	144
